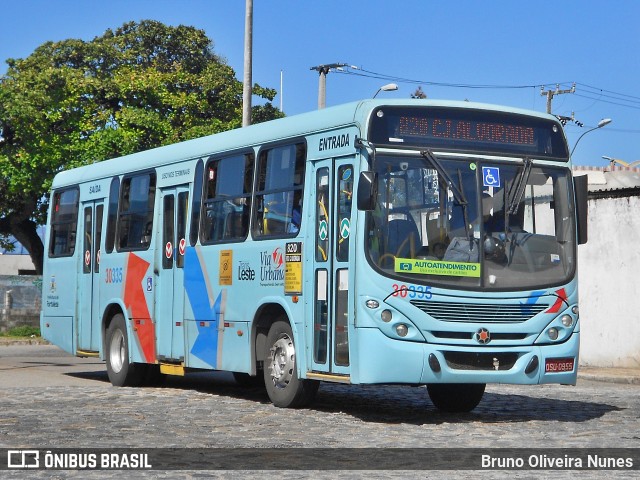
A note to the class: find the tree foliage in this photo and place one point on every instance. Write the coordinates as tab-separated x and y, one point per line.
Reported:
76	102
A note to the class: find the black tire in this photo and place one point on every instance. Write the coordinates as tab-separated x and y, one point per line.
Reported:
121	372
456	397
281	380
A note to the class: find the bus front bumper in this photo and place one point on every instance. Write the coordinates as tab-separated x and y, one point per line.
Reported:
381	359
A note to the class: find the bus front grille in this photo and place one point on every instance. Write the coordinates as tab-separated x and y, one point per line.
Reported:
480	361
479	312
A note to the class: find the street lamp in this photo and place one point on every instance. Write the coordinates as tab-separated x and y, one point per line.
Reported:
389	87
601	123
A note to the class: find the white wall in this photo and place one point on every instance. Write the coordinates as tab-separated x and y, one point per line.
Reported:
609	276
11	264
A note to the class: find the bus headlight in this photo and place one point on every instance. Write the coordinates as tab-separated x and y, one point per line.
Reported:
386	316
402	330
566	320
553	333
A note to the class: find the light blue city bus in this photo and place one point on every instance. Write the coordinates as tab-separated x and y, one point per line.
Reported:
408	241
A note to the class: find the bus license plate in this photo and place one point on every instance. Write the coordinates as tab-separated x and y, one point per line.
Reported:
556	365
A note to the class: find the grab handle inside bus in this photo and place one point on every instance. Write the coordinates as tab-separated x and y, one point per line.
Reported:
367	190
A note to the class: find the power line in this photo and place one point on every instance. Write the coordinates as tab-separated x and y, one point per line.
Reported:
635	107
608	91
360	72
605	96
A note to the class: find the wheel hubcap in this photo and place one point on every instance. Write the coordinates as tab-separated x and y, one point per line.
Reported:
282	356
117	351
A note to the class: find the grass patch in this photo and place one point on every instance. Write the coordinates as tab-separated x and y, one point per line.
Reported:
22	331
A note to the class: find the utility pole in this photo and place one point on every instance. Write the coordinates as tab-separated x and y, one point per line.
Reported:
248	55
552	93
281	91
322	82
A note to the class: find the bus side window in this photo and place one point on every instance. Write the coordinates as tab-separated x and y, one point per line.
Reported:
345	194
227	201
279	191
112	215
64	223
196	203
135	221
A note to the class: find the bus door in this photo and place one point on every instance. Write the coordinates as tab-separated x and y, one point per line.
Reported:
89	315
171	244
332	298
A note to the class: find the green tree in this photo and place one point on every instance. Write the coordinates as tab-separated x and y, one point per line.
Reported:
75	102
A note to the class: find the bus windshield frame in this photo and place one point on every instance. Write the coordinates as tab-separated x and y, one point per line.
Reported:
421	231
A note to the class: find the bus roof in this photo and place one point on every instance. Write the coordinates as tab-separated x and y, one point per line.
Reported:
355	113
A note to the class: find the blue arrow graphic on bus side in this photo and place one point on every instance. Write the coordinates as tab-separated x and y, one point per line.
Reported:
206	316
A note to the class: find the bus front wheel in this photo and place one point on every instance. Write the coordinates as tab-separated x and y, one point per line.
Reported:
281	380
121	372
456	397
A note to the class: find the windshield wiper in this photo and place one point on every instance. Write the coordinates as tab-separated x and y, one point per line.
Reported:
458	191
520	184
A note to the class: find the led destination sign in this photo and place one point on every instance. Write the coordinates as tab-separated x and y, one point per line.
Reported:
473	131
469	130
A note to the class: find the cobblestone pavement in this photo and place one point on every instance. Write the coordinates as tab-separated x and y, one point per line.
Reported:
210	410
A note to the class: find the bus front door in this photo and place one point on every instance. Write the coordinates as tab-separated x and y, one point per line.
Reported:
89	316
170	247
332	299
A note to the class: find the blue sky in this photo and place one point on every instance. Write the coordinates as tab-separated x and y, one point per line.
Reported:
458	42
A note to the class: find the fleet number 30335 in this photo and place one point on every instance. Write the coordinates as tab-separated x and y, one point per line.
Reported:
412	291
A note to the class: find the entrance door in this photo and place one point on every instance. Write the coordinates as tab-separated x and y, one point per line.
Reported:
89	283
171	244
332	306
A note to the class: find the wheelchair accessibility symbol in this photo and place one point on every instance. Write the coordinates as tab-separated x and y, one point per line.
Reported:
491	176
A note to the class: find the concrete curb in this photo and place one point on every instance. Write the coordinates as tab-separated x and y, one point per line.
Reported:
4	341
630	376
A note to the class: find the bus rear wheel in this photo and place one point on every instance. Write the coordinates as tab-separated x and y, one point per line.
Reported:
456	397
281	380
121	372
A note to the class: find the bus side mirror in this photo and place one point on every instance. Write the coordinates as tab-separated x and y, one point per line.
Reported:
580	185
367	190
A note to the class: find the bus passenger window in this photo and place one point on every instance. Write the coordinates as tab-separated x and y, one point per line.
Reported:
112	215
279	192
323	220
88	231
195	204
227	200
64	222
345	193
181	224
135	222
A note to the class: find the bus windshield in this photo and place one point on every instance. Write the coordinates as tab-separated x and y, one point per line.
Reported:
472	224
